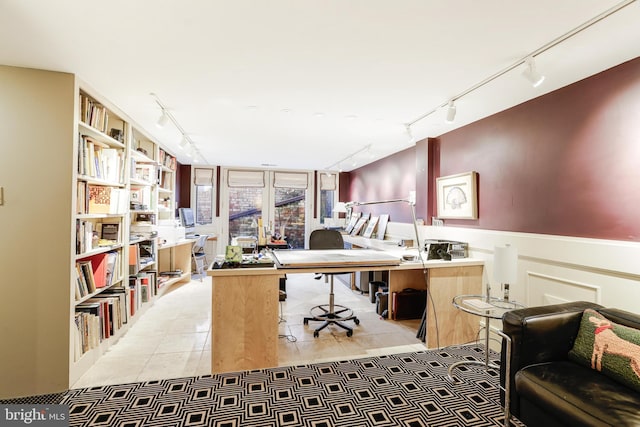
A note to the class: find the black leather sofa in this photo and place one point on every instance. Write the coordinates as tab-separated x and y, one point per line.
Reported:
546	387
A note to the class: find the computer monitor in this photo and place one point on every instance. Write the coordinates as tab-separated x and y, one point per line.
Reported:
187	220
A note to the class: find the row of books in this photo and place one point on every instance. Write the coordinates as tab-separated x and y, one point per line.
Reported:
99	318
98	160
100	199
93	113
93	235
96	272
167	160
142	288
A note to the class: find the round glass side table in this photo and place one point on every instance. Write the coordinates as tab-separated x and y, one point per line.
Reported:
489	308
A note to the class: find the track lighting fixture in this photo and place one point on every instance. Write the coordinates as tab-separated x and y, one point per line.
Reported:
185	143
162	120
409	133
531	73
451	112
351	158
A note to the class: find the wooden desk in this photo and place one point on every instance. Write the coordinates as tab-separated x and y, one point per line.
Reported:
244	312
176	256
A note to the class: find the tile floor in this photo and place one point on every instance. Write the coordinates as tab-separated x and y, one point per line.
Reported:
172	337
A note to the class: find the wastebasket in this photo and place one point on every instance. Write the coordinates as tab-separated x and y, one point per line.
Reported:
375	286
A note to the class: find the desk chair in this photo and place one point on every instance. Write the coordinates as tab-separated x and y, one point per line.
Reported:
329	313
199	256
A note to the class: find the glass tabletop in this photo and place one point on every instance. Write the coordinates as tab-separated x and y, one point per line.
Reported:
481	305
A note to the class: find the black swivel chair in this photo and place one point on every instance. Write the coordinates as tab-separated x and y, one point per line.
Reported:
329	313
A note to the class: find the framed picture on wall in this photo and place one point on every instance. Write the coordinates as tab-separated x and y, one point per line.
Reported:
457	196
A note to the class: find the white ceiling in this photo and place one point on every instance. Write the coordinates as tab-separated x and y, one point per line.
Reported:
302	84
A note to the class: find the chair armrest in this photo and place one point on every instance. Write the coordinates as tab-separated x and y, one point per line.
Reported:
539	334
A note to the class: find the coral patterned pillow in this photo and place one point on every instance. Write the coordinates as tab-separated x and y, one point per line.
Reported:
608	347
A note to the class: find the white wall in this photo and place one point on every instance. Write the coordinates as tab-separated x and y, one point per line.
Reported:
552	269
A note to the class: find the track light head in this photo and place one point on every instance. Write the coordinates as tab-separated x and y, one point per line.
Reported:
407	128
183	142
451	112
162	121
531	73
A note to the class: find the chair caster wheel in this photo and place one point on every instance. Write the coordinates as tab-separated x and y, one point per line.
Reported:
316	334
349	333
356	321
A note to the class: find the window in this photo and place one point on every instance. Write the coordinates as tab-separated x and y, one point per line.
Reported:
327	195
203	184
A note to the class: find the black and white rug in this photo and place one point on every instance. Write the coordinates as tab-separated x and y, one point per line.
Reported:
408	389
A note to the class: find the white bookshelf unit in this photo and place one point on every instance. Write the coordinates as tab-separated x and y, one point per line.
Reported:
67	178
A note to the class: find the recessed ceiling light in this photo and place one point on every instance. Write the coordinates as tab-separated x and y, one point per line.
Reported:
318	115
351	117
285	110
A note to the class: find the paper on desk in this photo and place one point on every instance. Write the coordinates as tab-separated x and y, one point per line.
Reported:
479	304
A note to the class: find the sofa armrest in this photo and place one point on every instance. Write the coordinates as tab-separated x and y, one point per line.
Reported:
539	334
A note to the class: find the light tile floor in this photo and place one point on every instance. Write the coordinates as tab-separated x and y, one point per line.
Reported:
172	338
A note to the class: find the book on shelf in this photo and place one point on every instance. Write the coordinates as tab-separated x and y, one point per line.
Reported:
134	259
81	286
84	236
93	113
87	332
110	231
99	269
145	218
98	160
134	295
106	200
94	308
86	274
113	260
144	292
104	315
121	294
113	320
146	252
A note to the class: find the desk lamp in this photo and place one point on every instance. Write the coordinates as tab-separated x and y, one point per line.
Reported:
411	200
505	267
341	207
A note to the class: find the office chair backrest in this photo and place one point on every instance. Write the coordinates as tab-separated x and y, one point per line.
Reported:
326	239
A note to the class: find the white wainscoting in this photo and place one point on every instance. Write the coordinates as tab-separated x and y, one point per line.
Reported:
552	269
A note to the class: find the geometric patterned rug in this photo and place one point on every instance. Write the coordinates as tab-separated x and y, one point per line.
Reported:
408	389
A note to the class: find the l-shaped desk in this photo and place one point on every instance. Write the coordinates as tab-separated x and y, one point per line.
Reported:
245	303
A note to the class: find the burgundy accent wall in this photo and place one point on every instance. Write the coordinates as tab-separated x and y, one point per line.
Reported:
566	163
183	189
386	179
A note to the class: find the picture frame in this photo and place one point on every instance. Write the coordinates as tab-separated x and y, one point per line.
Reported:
457	196
371	226
382	226
360	225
